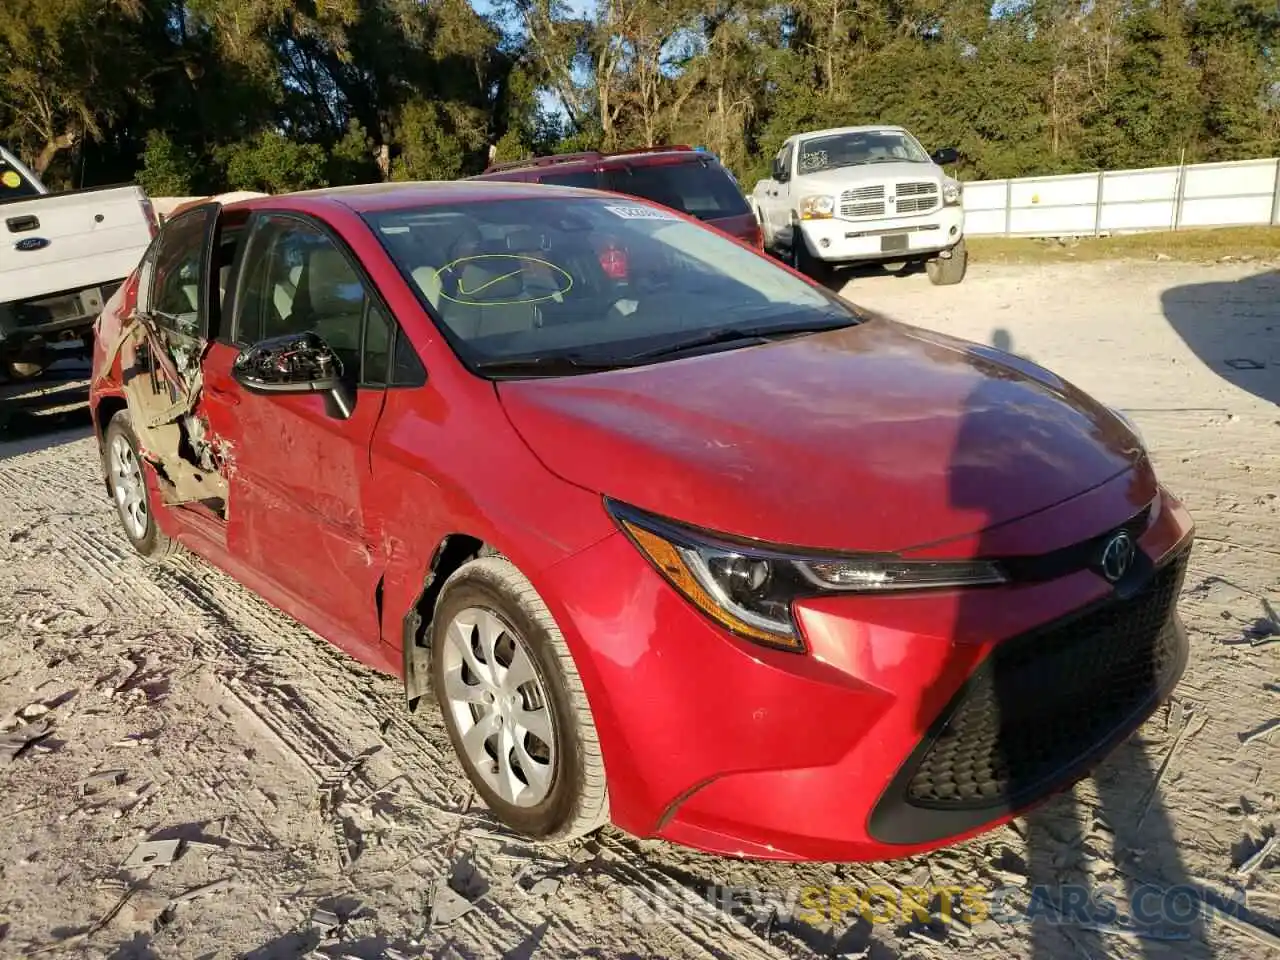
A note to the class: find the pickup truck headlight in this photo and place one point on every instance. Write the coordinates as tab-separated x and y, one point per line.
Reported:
748	588
952	192
817	207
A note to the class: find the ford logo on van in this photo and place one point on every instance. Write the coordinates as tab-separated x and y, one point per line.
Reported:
28	244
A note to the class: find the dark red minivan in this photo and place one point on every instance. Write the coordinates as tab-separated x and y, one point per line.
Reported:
681	177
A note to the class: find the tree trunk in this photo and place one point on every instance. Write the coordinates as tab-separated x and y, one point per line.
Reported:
831	48
52	148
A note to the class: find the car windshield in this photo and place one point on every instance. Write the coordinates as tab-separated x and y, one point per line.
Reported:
591	281
853	149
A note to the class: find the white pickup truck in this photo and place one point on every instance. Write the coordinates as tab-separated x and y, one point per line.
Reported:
62	256
862	195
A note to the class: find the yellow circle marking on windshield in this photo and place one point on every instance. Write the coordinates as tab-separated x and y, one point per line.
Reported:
11	180
512	270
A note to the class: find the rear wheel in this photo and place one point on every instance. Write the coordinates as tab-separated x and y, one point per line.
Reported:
127	481
944	273
514	705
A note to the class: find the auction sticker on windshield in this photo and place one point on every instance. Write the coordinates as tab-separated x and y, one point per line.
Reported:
640	213
10	179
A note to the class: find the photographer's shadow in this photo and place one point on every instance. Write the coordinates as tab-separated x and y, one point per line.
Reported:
1049	694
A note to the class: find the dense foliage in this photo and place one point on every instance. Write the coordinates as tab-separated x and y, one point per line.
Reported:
189	96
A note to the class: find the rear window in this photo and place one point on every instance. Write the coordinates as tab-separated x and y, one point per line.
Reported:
13	183
576	178
702	190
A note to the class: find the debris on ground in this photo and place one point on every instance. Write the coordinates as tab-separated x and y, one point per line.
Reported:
326	920
153	853
15	742
1251	865
1258	732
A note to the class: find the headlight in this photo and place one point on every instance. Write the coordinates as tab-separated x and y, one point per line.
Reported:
748	588
1133	427
952	192
817	208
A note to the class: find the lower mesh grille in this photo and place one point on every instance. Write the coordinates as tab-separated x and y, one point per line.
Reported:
1044	701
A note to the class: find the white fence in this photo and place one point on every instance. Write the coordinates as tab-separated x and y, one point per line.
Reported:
1242	193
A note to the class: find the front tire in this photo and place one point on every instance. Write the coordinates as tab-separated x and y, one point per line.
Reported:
805	262
944	273
126	479
514	704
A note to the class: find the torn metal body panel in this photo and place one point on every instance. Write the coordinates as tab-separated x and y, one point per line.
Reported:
161	383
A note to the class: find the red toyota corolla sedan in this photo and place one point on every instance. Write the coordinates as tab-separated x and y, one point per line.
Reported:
674	537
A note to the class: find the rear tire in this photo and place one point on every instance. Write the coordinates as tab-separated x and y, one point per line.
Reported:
514	704
126	480
944	273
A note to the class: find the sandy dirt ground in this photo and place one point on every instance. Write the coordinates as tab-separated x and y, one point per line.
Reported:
313	817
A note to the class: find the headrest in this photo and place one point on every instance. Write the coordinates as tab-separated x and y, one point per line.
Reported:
332	286
490	281
527	241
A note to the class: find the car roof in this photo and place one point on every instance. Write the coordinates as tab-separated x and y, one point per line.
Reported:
865	128
376	197
595	160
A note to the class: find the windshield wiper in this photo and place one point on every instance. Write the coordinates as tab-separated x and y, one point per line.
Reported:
547	365
719	335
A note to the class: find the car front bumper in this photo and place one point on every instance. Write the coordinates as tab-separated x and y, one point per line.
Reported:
840	754
886	239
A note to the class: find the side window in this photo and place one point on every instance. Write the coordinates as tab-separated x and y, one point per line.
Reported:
296	279
147	276
179	270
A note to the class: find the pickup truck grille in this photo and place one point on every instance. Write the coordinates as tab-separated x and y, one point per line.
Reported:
917	196
862	202
912	196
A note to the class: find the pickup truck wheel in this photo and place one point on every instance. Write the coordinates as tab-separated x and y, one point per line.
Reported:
805	262
128	485
23	370
514	705
944	273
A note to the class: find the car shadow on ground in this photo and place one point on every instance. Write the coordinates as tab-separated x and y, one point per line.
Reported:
1233	327
47	411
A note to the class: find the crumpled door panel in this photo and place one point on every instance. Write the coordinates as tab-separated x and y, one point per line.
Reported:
162	384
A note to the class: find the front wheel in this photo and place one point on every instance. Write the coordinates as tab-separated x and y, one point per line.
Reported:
944	273
805	262
127	481
514	705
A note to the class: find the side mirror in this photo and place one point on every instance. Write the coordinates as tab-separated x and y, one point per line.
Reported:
295	363
945	157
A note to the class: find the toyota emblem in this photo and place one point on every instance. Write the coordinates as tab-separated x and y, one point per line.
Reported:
1117	556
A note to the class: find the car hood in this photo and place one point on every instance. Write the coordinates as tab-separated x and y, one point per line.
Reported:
846	178
877	437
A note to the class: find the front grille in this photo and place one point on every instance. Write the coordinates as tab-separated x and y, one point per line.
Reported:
916	196
1045	701
862	202
919	188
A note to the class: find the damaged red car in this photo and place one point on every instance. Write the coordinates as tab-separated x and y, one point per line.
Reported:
694	547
